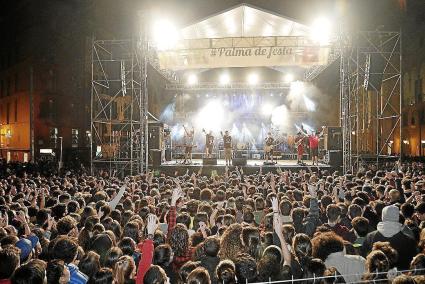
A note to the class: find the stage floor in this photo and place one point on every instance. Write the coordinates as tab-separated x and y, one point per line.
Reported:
252	166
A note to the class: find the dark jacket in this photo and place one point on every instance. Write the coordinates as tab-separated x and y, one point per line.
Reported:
405	246
311	221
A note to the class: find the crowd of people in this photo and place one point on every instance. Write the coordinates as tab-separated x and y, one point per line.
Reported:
309	226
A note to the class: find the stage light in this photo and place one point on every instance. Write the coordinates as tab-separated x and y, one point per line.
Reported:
192	79
224	79
280	116
391	141
321	31
267	109
406	142
165	34
307	128
211	116
309	104
288	78
353	132
423	141
253	79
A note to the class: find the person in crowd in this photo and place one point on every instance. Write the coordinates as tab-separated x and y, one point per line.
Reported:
9	261
57	272
392	231
329	247
234	228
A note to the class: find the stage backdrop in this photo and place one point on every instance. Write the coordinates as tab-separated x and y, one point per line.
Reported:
243	52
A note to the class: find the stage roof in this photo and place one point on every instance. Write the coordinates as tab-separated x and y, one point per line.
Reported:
244	21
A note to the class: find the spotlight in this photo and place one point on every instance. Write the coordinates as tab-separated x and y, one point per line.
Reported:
165	34
321	31
405	141
213	109
224	79
192	79
267	109
309	104
288	78
353	132
253	79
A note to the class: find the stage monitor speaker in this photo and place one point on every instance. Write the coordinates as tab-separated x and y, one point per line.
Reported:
155	157
333	138
335	158
155	135
209	161
239	162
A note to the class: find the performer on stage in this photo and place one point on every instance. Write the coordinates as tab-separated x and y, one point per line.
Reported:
166	135
209	143
299	144
313	140
227	145
268	149
188	141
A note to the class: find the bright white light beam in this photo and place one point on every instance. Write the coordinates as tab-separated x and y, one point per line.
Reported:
192	79
165	34
253	79
309	104
321	31
224	79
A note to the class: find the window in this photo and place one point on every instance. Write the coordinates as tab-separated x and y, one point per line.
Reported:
74	138
16	110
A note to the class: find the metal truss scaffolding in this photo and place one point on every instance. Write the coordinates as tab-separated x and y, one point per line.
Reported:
370	96
118	107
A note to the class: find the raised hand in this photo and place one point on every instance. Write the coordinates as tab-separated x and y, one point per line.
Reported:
50	222
312	189
220	205
152	224
273	182
177	193
275	205
21	217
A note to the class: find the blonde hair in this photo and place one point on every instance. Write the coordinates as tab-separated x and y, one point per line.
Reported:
124	269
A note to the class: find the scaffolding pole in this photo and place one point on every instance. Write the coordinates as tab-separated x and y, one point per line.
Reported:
117	107
370	96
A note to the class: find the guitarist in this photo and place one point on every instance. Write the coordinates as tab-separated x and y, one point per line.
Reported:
299	144
268	149
227	145
188	139
209	143
313	140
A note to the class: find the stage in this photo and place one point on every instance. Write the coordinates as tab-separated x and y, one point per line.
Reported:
251	167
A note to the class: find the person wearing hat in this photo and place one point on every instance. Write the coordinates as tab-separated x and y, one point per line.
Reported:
27	247
392	231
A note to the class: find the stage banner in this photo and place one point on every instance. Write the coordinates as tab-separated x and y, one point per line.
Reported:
192	55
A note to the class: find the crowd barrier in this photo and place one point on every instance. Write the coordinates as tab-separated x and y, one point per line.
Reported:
394	273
